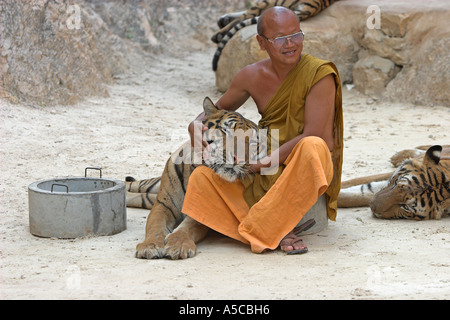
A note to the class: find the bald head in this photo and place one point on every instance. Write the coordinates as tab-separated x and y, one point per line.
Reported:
274	16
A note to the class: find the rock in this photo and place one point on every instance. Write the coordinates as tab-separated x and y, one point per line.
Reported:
389	40
372	73
425	79
58	52
339	48
382	45
50	54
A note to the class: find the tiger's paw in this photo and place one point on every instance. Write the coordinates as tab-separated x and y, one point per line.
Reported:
150	250
180	246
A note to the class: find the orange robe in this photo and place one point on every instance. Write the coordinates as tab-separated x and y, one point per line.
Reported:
262	209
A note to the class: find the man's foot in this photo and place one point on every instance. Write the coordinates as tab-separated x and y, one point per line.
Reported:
291	244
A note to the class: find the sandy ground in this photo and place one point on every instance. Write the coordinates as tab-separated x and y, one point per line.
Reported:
133	132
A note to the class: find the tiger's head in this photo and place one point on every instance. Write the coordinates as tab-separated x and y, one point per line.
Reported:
234	142
418	190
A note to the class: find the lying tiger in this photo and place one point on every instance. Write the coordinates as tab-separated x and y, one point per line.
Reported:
419	189
169	233
231	23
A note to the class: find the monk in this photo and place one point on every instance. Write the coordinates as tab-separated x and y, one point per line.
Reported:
300	96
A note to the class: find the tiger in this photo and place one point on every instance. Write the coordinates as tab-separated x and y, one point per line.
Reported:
418	190
169	233
230	24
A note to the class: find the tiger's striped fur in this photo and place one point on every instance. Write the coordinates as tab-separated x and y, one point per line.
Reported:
231	23
142	193
419	189
169	233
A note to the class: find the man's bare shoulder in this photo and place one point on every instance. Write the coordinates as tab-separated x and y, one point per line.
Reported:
260	65
253	70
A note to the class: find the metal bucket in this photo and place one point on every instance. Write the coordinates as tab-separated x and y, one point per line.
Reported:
69	208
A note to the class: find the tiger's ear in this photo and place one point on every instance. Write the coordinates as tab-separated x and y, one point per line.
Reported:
433	155
209	107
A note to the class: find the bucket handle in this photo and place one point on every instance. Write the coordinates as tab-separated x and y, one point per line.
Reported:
93	168
60	185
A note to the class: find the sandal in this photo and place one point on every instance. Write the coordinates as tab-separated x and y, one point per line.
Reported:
292	238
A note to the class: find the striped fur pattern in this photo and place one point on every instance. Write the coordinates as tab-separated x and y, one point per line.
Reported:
169	233
231	23
143	193
419	189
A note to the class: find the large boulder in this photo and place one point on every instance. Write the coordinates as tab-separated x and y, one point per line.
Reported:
57	52
53	52
371	75
404	58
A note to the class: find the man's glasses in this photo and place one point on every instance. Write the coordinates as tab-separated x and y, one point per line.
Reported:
281	41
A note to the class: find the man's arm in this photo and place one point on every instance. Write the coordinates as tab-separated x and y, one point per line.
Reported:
319	117
237	94
320	109
232	99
